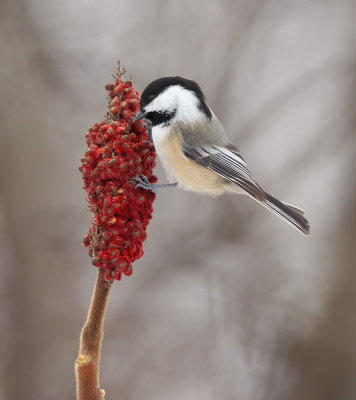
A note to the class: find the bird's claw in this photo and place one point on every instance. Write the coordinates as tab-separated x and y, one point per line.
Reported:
143	183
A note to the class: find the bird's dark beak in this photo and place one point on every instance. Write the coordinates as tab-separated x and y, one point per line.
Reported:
139	116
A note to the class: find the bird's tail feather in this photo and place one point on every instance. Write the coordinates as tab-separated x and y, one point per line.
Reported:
293	215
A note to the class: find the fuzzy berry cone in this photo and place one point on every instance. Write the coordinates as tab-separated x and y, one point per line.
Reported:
118	150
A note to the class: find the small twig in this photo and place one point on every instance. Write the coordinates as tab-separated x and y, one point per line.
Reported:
121	70
88	362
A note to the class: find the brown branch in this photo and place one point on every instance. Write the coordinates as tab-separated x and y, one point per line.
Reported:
88	362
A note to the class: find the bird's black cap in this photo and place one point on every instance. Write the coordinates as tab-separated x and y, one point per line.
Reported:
159	85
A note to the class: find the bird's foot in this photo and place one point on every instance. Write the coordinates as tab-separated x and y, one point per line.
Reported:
143	183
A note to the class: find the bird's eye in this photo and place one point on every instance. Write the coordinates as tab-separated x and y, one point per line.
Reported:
151	97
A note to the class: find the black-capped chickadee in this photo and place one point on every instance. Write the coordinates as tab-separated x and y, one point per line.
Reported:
194	148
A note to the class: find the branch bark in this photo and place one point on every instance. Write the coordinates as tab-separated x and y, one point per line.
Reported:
88	362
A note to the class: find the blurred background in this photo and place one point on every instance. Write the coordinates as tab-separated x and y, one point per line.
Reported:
229	302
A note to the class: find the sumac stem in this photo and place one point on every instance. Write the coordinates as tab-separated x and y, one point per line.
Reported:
88	362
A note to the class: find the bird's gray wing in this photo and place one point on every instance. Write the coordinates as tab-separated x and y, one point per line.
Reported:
228	163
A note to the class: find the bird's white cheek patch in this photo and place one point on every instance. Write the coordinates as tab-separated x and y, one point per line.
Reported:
165	102
179	100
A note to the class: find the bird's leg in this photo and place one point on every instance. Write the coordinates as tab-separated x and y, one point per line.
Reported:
144	183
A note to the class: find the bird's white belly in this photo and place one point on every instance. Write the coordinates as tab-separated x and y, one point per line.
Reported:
189	175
